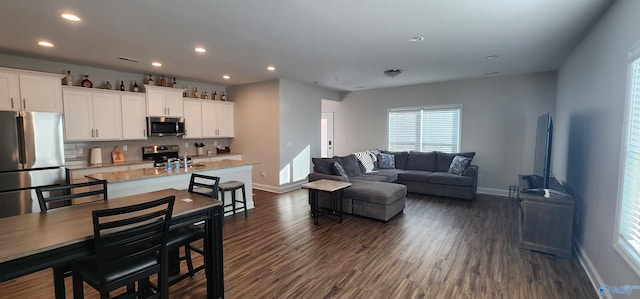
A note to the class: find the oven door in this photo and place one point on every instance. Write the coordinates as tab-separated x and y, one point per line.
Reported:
165	126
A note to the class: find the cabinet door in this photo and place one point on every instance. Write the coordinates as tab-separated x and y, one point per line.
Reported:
224	119
134	125
209	119
9	92
156	102
78	115
107	117
192	119
174	103
41	93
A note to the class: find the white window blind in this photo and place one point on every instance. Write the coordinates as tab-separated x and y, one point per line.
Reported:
425	129
628	241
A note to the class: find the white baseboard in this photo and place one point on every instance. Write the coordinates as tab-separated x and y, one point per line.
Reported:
267	188
588	267
280	189
492	191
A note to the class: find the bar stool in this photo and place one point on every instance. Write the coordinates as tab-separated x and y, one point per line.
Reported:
233	186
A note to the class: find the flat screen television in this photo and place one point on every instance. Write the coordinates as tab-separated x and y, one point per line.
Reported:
542	159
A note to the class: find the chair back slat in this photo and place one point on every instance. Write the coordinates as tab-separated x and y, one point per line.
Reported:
206	185
51	197
126	234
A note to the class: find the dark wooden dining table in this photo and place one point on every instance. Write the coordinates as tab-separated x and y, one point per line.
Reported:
37	241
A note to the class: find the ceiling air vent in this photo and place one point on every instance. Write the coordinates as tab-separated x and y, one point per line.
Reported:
393	72
128	59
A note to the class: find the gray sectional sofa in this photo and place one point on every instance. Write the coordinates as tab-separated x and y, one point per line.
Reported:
381	179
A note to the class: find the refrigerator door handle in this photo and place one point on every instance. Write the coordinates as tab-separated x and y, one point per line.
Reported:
22	153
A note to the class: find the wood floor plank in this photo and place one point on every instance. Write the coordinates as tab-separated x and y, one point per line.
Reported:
437	248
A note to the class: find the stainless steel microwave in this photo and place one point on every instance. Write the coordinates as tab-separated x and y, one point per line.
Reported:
165	126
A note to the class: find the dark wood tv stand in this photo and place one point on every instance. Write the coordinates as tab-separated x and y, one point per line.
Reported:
546	224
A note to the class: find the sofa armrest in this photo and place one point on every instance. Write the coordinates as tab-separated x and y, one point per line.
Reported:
471	171
314	176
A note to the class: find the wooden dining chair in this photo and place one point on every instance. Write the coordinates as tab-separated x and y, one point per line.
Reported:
130	246
183	237
57	196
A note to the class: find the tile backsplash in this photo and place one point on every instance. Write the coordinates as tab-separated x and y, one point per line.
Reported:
78	152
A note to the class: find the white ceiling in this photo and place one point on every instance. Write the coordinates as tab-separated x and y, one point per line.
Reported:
340	44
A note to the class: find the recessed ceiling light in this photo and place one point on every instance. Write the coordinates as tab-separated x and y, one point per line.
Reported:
491	57
200	50
156	64
393	72
45	43
70	17
416	39
271	68
226	77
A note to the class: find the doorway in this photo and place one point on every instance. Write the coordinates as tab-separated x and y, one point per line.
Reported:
326	135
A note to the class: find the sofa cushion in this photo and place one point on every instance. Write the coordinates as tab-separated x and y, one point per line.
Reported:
386	161
350	165
323	165
337	167
445	178
459	165
371	177
375	192
390	174
414	176
443	160
367	160
422	161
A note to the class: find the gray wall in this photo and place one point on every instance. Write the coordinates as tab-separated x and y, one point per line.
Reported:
498	120
300	111
589	133
257	129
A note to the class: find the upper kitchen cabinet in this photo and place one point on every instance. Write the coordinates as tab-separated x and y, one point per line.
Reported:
193	118
224	119
92	114
164	101
30	91
134	112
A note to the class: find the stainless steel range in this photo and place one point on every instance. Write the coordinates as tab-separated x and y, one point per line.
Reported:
161	154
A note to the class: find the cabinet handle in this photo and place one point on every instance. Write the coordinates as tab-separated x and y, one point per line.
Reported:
24	103
97	135
11	103
92	134
144	132
168	111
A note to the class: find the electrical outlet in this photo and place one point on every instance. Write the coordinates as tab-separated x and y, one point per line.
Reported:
264	175
186	144
124	148
215	143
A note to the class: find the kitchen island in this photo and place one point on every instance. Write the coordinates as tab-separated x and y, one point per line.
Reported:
137	181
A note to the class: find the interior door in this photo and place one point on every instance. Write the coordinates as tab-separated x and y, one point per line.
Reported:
326	135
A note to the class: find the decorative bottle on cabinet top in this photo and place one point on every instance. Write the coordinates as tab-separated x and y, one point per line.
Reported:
163	81
135	86
150	80
224	97
174	84
68	79
195	93
215	95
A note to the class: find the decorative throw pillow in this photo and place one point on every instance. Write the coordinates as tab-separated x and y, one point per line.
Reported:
337	167
323	165
366	159
386	161
351	165
459	165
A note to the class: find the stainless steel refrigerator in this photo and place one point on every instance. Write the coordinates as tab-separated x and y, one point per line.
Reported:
31	155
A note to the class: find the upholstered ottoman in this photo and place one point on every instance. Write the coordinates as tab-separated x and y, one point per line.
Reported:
377	200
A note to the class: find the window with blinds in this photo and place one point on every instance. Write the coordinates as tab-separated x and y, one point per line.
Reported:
628	240
425	129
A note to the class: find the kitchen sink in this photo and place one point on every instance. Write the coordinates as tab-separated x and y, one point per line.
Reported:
197	165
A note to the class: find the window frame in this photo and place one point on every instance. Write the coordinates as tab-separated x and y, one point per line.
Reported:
629	254
421	108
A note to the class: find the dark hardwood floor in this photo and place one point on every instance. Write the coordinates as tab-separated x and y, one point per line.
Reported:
437	248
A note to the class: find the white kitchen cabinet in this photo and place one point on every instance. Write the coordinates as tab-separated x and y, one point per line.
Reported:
224	119
164	101
134	125
209	119
92	115
192	119
30	91
9	92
